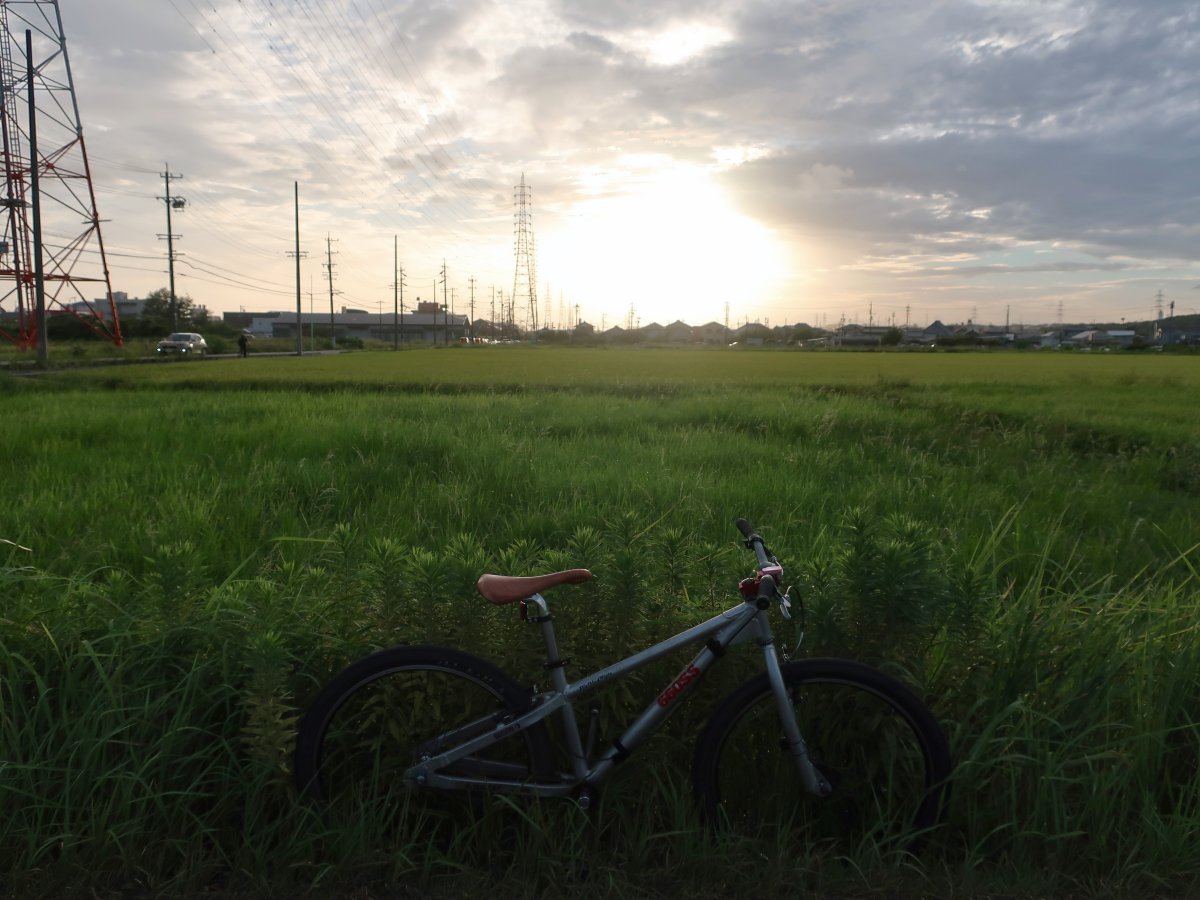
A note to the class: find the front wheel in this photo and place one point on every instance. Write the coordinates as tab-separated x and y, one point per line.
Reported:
875	742
378	716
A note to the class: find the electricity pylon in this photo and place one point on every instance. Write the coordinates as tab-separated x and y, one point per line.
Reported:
73	260
524	278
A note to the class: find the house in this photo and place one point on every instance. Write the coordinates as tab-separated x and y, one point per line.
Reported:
712	333
929	334
585	329
1094	338
614	335
678	332
1180	336
652	332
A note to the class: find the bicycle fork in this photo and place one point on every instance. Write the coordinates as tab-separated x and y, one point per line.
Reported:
812	779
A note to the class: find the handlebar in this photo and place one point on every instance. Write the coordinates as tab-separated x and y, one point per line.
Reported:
766	588
753	540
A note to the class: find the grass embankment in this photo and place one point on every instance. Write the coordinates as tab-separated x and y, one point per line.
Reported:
1016	523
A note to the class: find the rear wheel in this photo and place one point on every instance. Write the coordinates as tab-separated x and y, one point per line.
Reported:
874	741
380	715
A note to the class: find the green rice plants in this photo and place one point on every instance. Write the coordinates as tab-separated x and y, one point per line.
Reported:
209	544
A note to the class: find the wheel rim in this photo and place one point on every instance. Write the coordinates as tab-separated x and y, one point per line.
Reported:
379	729
868	748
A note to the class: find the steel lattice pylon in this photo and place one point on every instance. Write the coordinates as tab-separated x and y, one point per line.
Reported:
73	259
525	277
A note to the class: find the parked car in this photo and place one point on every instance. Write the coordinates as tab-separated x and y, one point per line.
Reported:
183	343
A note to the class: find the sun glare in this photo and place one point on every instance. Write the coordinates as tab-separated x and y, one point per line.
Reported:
673	248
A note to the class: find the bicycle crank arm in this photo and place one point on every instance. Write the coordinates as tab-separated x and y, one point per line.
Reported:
426	774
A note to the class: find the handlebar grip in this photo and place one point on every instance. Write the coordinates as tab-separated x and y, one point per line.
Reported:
744	527
766	588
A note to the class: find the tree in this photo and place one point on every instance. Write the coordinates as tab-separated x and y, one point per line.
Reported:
891	337
158	308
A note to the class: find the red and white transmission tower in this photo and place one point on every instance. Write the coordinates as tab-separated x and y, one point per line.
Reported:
525	277
73	254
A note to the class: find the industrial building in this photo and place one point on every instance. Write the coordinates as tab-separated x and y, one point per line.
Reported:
423	325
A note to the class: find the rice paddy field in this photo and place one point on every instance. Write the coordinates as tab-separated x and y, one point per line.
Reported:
191	550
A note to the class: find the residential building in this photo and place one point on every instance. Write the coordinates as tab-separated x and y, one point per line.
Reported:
678	332
1093	338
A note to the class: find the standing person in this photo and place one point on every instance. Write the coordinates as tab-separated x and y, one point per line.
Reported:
243	346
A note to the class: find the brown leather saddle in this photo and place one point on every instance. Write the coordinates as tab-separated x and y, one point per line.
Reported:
502	589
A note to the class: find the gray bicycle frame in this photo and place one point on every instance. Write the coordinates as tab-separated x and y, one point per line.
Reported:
744	622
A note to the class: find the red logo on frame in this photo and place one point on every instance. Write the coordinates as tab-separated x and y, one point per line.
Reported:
690	674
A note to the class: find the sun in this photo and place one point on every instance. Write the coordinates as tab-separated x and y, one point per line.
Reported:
672	247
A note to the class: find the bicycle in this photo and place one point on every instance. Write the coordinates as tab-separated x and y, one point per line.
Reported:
831	747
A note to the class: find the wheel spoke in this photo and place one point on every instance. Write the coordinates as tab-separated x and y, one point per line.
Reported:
880	757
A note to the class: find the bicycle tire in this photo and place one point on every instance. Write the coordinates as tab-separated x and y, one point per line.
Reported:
872	737
370	714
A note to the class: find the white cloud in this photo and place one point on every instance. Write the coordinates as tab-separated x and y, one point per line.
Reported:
851	133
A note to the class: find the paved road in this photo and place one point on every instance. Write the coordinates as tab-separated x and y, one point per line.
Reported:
24	368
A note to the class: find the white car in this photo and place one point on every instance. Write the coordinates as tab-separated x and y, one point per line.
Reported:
185	344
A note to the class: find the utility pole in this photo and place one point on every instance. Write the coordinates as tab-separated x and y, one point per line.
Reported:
471	327
906	325
39	275
395	292
169	237
1007	310
492	320
296	253
453	302
445	307
312	319
329	273
726	321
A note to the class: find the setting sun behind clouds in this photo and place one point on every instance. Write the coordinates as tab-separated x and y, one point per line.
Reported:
673	247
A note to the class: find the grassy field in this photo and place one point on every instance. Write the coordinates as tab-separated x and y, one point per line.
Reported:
209	541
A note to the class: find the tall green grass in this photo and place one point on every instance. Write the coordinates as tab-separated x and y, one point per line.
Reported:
202	560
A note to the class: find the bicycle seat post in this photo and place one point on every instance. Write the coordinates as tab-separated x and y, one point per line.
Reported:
554	665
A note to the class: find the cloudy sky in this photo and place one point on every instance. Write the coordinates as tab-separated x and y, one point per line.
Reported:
797	161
